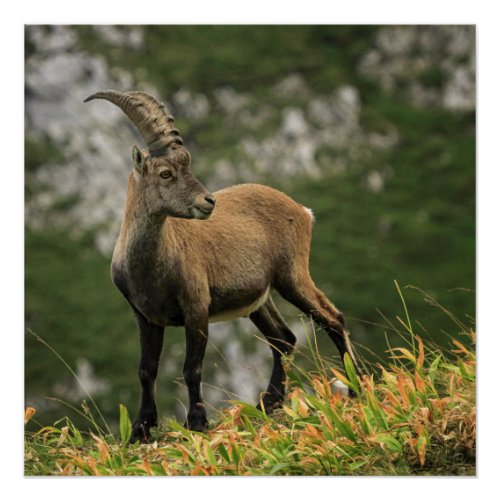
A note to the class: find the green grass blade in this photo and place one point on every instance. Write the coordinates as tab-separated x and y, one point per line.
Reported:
351	373
408	324
125	425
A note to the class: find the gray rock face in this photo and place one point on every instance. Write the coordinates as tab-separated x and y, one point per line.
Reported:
325	121
121	36
93	140
193	107
434	65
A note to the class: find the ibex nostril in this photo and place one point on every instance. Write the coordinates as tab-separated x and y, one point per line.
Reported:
210	199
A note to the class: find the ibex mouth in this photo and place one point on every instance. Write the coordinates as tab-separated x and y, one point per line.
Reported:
201	212
203	206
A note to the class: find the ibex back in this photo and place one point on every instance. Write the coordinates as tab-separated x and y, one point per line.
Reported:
186	257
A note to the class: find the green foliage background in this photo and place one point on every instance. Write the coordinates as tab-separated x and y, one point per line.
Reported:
428	203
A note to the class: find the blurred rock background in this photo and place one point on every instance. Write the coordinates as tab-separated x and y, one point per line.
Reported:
373	127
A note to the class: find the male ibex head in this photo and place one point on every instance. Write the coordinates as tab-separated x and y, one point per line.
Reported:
180	272
162	172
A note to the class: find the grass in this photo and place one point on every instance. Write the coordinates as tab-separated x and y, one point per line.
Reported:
415	415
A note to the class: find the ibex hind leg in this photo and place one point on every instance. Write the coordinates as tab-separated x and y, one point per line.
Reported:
310	300
282	341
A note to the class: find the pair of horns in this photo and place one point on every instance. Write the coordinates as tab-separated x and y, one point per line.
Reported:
150	117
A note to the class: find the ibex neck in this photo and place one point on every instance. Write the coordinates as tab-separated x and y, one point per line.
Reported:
142	264
145	233
141	238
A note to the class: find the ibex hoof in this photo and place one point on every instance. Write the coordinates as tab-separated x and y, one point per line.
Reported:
140	432
268	405
197	422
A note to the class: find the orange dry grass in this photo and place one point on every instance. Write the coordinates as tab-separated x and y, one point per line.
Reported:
419	417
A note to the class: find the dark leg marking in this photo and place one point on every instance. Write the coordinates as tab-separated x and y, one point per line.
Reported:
282	341
151	347
196	343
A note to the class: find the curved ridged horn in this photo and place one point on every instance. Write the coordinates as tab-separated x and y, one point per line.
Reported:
149	116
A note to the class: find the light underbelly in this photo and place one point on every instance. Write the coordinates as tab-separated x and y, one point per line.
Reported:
242	311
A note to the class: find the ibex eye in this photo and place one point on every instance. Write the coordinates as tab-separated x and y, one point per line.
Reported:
166	174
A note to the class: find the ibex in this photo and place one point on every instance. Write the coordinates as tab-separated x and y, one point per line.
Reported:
186	257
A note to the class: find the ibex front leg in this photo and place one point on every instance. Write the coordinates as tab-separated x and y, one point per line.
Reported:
151	346
196	343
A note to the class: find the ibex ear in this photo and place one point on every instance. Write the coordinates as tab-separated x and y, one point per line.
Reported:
139	160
